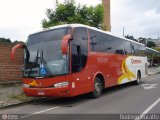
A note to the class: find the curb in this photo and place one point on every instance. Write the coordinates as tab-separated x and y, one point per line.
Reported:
20	103
154	74
10	82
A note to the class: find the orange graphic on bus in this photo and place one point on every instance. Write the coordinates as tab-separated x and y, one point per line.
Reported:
33	83
127	74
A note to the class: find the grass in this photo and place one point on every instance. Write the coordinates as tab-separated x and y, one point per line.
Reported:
21	97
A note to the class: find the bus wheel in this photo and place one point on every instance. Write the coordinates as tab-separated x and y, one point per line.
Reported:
97	88
137	82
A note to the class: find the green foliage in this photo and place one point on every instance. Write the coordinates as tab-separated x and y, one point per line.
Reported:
68	12
157	48
19	96
151	44
130	37
142	40
18	42
4	40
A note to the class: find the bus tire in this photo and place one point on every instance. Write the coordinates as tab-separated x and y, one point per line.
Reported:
138	81
97	92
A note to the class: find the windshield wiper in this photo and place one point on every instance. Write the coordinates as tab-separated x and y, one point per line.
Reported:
43	67
42	60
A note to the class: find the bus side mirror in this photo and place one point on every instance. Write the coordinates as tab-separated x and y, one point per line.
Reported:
18	46
64	44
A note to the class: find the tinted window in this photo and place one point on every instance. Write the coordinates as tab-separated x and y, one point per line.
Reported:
79	49
137	49
48	41
122	46
45	49
101	42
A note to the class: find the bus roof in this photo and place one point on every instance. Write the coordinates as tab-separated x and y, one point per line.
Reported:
89	27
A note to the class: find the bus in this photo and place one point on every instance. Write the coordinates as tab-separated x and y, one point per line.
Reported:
74	59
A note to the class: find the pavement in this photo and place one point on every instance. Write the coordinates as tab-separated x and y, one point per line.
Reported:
115	103
12	94
153	70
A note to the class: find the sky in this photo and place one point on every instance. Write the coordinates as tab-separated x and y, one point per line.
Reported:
140	18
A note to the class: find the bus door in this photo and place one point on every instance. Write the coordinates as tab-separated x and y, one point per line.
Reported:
80	73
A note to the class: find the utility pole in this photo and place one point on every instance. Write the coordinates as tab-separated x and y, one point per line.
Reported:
107	17
123	31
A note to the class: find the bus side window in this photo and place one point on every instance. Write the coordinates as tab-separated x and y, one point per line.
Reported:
99	42
137	49
93	41
120	51
121	46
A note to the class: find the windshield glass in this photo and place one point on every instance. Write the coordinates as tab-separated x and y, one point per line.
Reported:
45	54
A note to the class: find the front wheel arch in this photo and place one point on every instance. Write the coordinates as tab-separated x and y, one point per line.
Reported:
101	76
97	88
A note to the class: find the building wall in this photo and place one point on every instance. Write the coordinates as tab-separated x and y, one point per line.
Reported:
10	70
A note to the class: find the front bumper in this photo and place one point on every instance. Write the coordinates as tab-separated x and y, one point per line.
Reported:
47	92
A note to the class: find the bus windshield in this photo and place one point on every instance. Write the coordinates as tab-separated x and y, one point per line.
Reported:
45	56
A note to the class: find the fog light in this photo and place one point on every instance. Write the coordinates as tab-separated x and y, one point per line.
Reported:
67	91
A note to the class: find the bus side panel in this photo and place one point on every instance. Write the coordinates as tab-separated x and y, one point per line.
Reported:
107	64
116	69
130	67
81	81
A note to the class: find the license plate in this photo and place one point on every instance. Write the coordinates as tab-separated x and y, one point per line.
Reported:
41	93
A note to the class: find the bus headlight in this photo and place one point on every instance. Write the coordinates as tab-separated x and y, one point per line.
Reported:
62	84
26	85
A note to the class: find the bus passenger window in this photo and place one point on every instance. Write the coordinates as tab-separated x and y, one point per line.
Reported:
120	52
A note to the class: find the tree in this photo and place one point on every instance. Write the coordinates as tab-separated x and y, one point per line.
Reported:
151	44
68	12
131	38
143	40
17	42
4	40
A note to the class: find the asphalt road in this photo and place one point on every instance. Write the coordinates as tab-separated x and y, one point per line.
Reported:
115	103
